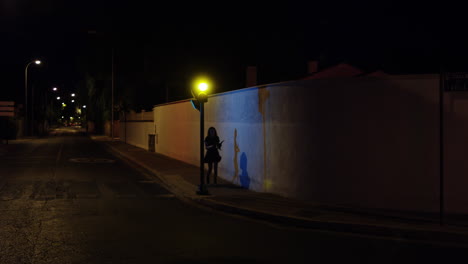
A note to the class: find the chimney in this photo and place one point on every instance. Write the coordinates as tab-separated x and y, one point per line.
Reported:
251	78
312	67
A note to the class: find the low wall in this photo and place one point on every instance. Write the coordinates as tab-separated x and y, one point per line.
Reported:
365	142
135	127
108	128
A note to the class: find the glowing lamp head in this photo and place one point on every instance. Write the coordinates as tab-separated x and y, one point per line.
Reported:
73	95
54	89
84	106
201	84
37	62
202	87
58	97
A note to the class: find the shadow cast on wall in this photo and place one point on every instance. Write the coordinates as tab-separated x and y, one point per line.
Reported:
244	176
236	163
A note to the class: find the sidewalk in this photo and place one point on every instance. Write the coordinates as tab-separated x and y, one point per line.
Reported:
182	179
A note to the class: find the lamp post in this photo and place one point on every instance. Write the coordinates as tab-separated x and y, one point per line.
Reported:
201	98
112	96
94	32
26	93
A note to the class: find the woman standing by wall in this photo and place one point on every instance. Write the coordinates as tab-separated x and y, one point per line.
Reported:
212	156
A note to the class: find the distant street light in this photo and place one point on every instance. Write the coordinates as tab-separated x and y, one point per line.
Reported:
58	97
54	89
84	106
72	101
73	95
37	62
201	87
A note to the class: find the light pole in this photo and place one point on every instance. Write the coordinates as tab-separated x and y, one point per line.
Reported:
201	98
26	93
93	32
112	97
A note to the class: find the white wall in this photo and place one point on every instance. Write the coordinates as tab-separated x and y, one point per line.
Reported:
368	142
135	128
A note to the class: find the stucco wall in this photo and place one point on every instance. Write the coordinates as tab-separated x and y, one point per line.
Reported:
456	152
379	143
369	142
135	127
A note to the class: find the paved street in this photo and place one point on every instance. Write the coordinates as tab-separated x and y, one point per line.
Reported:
64	199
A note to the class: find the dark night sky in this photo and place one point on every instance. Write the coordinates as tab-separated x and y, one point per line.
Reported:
180	40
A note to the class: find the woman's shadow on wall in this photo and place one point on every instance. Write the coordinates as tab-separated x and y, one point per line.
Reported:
244	176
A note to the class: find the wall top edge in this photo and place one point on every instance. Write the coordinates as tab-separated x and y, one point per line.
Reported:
298	82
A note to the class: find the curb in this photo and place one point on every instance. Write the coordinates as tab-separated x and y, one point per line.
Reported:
420	235
154	173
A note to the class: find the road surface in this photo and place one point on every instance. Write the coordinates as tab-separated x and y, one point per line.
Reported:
65	199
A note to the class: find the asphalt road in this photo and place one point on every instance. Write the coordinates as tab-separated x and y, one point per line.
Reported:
64	199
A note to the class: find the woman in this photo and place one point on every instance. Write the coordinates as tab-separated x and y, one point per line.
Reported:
212	145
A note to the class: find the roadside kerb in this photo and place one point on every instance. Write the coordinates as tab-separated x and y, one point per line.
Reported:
182	189
415	234
173	183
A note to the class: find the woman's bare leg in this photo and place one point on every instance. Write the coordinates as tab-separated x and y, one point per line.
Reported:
215	172
210	167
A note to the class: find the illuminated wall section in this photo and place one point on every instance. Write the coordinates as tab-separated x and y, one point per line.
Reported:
265	130
177	131
366	142
134	128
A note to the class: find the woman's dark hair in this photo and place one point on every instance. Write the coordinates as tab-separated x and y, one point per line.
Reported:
214	129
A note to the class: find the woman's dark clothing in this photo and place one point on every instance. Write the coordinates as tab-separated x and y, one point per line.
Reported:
212	154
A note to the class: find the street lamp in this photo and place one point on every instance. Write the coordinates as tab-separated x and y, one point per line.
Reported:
73	95
54	89
37	62
201	86
58	97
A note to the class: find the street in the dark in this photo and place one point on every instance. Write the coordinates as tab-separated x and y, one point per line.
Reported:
65	199
344	130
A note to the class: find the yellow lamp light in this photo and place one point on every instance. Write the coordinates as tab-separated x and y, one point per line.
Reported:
202	87
201	84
